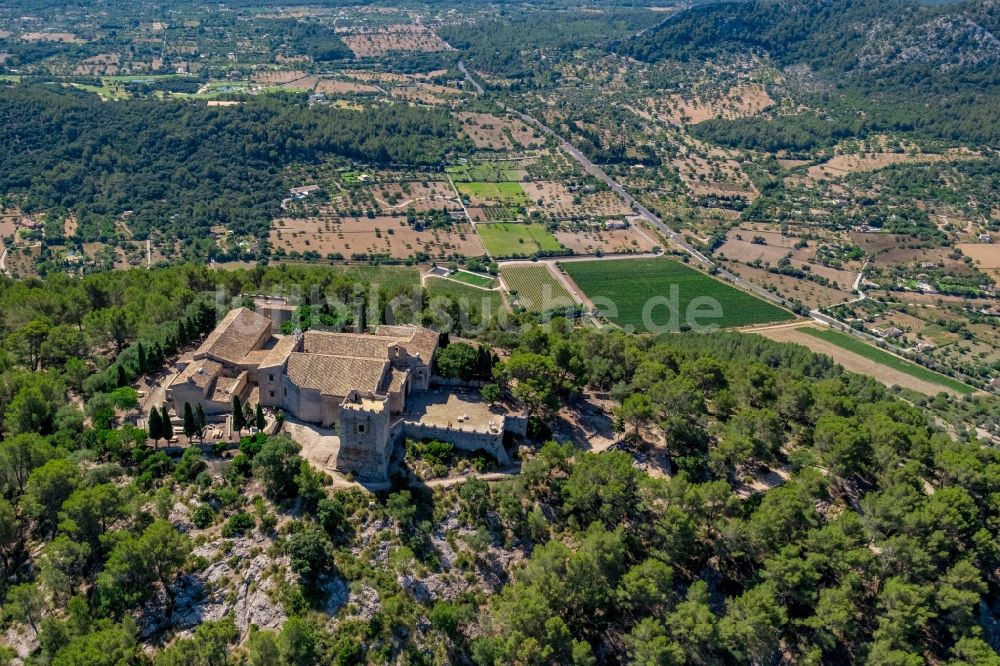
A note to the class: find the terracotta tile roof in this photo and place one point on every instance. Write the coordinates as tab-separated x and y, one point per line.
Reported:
354	345
201	373
417	340
255	357
225	387
235	336
278	354
336	375
393	380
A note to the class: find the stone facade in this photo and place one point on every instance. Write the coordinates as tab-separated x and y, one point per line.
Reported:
355	382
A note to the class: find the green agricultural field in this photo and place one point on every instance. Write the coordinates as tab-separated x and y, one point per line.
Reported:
504	239
475	279
460	306
624	288
489	172
861	348
393	278
537	289
510	194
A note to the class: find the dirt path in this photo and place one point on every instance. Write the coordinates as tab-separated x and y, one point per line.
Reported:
853	362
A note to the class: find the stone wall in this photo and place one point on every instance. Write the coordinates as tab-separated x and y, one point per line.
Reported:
456	382
365	442
466	439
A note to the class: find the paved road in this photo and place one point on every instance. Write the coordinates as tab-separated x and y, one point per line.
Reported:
468	77
601	175
645	213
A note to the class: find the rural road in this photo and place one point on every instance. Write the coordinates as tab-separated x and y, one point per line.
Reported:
645	213
468	77
599	173
676	238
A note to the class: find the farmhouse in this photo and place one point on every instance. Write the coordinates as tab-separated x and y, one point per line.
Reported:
356	383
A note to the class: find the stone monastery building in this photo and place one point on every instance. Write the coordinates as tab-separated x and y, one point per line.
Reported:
352	381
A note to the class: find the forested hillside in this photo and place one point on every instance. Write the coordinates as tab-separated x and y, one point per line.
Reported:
511	45
874	544
187	165
907	66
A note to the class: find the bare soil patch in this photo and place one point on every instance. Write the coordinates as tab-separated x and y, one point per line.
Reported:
104	64
21	261
841	165
738	102
381	41
810	293
853	362
381	235
334	87
558	201
420	196
986	255
278	78
307	83
496	133
65	37
608	241
714	173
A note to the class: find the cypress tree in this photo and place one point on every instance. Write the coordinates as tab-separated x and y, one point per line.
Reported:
238	422
122	377
154	425
484	363
142	360
259	418
167	428
199	422
189	424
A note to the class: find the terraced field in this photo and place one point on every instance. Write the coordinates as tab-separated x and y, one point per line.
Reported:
663	295
537	289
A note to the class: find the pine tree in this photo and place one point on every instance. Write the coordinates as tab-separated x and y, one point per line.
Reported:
238	422
154	425
167	427
199	422
259	418
189	425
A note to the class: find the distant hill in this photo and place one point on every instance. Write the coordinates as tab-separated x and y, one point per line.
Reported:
897	55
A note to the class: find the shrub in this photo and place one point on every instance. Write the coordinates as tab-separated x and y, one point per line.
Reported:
238	524
203	516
